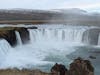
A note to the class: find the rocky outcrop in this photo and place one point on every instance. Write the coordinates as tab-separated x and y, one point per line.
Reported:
59	69
8	33
91	36
77	67
32	27
81	67
24	34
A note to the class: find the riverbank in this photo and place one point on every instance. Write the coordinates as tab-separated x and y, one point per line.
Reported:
78	67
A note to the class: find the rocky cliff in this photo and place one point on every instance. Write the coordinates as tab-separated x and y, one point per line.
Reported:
8	33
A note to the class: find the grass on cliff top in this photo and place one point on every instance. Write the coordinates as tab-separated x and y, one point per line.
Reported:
5	30
9	28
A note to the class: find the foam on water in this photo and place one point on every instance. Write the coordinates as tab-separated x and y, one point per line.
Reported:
47	46
32	55
19	41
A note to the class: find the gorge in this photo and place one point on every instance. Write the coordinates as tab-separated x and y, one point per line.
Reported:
41	46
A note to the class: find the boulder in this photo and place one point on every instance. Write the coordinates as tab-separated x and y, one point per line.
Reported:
92	57
59	69
77	67
81	67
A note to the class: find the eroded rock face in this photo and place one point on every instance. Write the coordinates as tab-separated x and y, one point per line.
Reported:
24	34
10	36
58	69
32	27
91	36
81	67
77	67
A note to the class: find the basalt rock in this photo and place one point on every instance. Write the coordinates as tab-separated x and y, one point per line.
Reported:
77	67
81	67
92	57
9	35
32	27
59	69
24	34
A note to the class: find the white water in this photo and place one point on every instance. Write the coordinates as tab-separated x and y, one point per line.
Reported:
4	49
71	35
19	41
99	39
47	46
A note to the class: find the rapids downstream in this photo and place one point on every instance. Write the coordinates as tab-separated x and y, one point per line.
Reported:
49	44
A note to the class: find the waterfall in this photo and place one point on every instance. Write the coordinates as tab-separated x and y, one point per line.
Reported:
99	39
56	35
4	49
19	41
47	46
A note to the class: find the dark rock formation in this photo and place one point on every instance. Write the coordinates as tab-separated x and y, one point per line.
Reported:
59	69
9	35
32	27
92	57
91	36
77	67
24	34
81	67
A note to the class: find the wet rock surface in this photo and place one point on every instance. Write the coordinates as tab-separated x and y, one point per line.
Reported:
10	36
77	67
24	34
8	33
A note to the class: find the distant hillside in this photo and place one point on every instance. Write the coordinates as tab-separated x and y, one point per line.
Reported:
74	16
28	15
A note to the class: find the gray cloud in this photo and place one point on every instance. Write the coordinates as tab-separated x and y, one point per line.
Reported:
48	4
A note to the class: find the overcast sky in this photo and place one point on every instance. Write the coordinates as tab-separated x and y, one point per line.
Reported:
49	4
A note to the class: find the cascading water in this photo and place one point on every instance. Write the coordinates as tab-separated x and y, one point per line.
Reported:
4	49
47	46
99	39
19	41
72	35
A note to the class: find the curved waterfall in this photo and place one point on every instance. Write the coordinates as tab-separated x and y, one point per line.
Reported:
57	35
46	47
